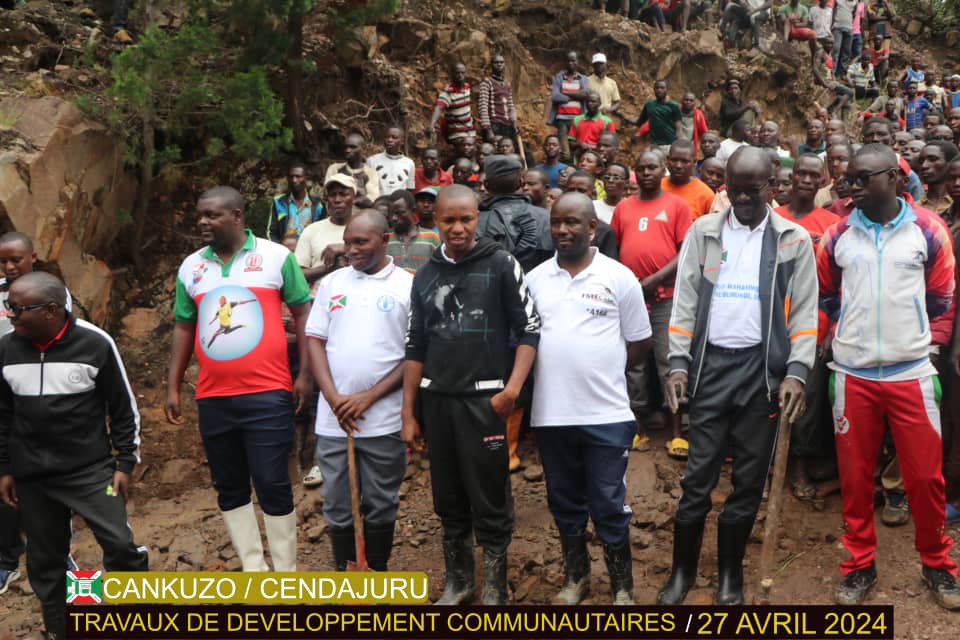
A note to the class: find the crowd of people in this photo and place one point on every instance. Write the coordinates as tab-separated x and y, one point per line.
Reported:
722	278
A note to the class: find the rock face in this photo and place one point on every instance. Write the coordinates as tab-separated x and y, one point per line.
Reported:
62	182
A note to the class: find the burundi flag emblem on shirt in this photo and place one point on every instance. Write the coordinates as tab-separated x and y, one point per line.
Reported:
338	301
723	256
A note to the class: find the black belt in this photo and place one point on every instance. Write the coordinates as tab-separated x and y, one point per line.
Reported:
716	349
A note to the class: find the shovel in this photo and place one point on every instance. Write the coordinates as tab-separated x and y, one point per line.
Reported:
773	511
361	562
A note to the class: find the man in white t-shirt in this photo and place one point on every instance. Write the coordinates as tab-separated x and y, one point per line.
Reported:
595	326
321	242
359	379
394	170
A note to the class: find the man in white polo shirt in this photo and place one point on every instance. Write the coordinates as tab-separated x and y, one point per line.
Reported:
594	326
743	335
359	378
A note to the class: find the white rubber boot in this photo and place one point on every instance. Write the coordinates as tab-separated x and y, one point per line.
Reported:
245	535
282	538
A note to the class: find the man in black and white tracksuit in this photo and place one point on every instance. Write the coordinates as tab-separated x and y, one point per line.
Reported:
60	379
468	306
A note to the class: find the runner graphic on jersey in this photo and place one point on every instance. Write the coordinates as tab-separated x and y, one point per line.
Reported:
225	314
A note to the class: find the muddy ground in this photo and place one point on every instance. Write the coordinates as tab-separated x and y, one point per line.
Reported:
173	512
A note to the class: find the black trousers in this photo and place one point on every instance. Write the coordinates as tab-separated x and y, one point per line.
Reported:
469	468
45	508
11	544
812	434
729	412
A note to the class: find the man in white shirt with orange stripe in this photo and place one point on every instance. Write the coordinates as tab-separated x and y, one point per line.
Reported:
743	331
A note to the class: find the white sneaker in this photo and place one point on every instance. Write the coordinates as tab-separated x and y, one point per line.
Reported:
313	478
6	578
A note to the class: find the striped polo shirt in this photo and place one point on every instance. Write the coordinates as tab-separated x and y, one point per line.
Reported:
458	120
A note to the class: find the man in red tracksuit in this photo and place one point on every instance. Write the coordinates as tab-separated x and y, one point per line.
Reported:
885	271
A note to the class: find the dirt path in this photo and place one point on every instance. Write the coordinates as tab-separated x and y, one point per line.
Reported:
174	513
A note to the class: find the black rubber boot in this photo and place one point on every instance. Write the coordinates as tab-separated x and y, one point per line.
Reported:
344	546
379	540
731	545
461	572
576	569
494	579
620	569
687	538
54	621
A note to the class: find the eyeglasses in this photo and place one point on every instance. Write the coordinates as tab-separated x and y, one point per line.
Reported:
17	309
750	192
861	179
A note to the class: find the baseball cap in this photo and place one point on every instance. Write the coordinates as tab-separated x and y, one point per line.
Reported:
428	191
342	179
599	57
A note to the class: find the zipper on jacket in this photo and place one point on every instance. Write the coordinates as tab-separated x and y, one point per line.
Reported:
766	355
879	289
41	373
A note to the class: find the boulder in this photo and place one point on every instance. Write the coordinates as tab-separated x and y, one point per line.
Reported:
139	325
914	27
63	183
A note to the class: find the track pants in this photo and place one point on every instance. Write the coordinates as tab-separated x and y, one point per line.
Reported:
469	471
11	544
911	408
45	508
381	462
729	411
585	468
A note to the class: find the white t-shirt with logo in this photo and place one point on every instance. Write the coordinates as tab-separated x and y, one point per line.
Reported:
735	304
363	318
582	354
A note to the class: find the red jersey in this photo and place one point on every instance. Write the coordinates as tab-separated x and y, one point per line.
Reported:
649	234
815	222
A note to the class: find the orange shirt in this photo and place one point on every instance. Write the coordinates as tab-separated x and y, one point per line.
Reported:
815	222
696	193
649	234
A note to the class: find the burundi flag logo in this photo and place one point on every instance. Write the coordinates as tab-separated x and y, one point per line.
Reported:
338	301
84	587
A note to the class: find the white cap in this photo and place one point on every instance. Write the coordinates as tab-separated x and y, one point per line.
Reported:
598	57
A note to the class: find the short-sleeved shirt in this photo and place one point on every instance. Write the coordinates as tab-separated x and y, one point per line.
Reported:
458	120
606	88
394	172
663	117
314	240
411	254
877	54
822	20
916	109
800	10
586	322
421	181
240	342
843	17
587	130
553	170
695	193
649	234
363	318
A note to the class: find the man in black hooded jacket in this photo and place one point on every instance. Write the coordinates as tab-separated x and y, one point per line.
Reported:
468	306
508	218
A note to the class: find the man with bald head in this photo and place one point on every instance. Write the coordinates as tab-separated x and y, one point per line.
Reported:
743	338
232	289
580	406
360	381
882	370
471	342
63	380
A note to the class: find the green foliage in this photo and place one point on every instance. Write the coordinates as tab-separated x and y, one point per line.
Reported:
178	81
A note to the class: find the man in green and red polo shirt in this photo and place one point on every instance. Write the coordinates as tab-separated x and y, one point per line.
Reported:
586	128
233	290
